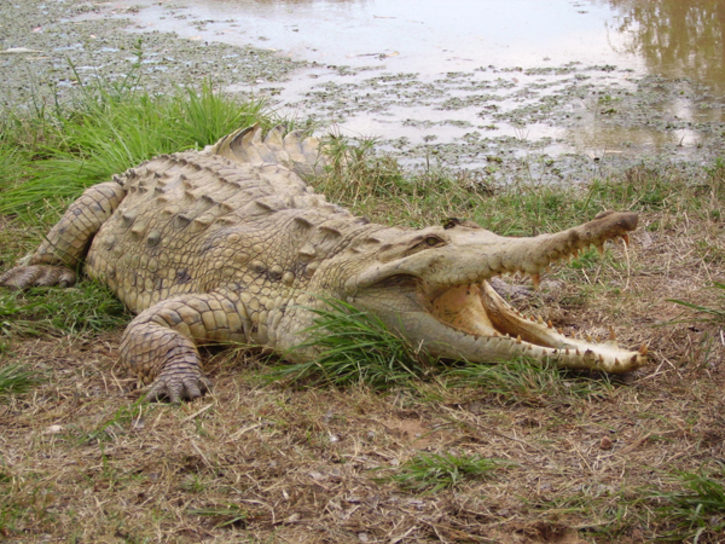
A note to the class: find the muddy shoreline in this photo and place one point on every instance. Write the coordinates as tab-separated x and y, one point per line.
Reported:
551	124
46	49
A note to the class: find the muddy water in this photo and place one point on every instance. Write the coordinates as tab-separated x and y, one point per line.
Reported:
467	82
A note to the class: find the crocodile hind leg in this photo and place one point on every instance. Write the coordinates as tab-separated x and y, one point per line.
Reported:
57	258
159	345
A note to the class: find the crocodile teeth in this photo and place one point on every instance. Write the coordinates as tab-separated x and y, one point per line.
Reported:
625	237
536	279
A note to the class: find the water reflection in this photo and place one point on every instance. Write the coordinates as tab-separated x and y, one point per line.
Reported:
569	74
676	38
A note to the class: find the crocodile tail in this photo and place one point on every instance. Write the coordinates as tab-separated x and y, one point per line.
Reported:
293	150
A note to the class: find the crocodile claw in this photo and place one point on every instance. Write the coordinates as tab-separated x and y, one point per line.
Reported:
176	384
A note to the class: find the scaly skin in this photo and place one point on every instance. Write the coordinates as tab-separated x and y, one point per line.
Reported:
229	245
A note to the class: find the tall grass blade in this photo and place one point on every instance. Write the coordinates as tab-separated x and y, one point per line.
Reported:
717	314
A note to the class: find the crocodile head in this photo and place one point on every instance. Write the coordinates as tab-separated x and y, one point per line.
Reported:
433	286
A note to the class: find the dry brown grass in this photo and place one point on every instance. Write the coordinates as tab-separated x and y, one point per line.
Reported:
263	463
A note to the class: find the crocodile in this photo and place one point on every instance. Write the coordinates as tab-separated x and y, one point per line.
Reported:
229	245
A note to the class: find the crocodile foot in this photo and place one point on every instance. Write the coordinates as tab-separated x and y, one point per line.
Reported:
177	382
38	275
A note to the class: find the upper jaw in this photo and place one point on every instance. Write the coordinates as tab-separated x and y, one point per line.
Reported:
475	255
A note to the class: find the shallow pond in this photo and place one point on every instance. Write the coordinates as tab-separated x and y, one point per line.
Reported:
467	80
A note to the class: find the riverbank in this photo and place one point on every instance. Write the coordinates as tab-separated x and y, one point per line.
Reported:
45	50
507	123
513	453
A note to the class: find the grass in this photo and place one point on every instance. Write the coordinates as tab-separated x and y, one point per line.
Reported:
433	472
124	420
523	381
88	307
16	379
355	348
111	127
713	313
698	509
585	456
377	186
229	515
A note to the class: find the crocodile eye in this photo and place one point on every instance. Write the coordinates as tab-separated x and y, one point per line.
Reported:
427	243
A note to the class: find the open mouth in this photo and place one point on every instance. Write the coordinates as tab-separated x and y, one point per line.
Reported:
458	313
477	310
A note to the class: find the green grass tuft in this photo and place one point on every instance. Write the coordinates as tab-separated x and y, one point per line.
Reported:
53	156
376	185
699	509
355	173
224	516
15	379
432	472
87	307
202	117
356	347
529	382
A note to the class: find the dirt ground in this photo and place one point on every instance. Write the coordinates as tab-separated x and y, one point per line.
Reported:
253	462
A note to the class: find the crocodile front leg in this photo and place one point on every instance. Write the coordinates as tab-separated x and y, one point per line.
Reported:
159	345
55	261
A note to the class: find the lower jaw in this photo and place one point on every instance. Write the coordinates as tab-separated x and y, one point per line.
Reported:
472	322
